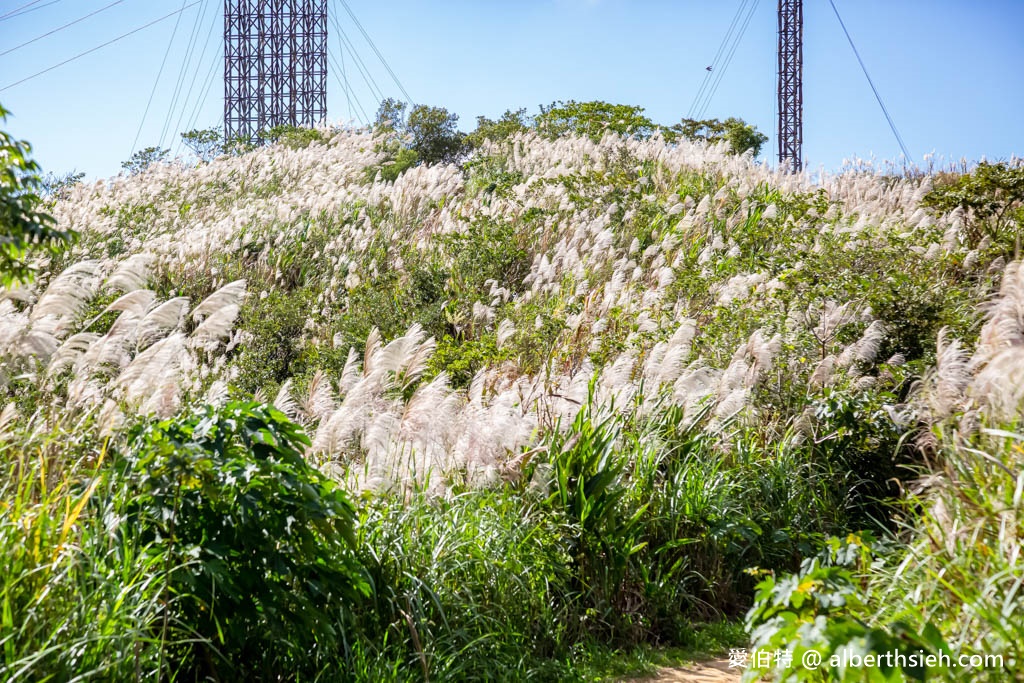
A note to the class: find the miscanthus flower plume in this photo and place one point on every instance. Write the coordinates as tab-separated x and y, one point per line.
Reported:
643	272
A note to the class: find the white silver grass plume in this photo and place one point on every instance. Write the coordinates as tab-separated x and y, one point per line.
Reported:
352	371
217	394
832	317
944	390
8	416
1004	327
999	386
319	400
67	295
162	320
285	402
506	329
229	295
215	328
865	349
131	274
70	351
151	379
667	360
822	375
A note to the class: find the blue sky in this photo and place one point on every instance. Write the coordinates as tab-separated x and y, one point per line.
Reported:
950	71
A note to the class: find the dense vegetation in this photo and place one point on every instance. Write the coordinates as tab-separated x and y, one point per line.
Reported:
404	404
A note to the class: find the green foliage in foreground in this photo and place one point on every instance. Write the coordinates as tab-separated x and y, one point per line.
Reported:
234	558
952	591
258	544
203	548
25	230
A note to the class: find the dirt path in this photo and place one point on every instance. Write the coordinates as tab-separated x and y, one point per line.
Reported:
711	671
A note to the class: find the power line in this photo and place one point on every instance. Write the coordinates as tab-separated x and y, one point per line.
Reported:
157	81
98	47
59	28
208	83
364	71
728	61
182	73
204	90
346	86
878	97
17	10
15	13
710	73
344	42
199	61
376	51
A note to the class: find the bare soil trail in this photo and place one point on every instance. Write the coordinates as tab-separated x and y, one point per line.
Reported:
710	671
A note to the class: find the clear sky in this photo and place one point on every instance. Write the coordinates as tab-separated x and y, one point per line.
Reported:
950	71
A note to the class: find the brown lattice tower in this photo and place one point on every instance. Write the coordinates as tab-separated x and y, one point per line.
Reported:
275	65
791	91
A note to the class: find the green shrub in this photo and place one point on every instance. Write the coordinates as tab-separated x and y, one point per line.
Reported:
393	301
276	324
462	360
293	137
258	545
912	312
992	198
857	440
815	611
25	230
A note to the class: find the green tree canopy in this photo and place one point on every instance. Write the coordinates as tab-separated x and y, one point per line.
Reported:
431	133
143	159
593	119
24	229
390	115
991	196
206	144
740	135
510	123
435	135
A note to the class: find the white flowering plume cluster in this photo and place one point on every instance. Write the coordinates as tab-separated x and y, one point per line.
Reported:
96	334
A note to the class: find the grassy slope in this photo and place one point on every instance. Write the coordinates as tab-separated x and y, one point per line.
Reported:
739	341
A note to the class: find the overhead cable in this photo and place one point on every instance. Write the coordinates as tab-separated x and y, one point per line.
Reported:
18	10
16	13
720	74
715	63
373	46
892	124
60	28
156	82
98	47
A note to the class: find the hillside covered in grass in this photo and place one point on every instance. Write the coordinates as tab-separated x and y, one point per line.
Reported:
280	416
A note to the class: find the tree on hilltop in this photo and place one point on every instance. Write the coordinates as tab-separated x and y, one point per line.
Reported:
740	135
143	159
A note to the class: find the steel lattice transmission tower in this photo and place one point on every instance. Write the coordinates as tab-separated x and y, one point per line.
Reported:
791	89
275	65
